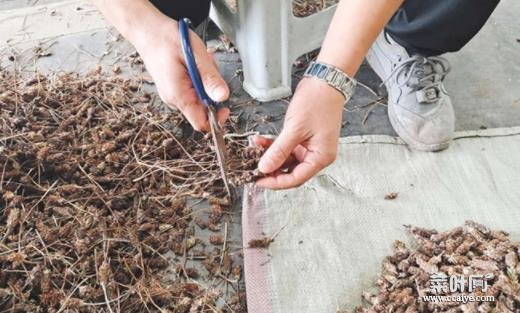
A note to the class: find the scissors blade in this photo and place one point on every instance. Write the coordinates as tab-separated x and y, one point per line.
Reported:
220	147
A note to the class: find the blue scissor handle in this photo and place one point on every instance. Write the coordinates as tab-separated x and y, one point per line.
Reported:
193	71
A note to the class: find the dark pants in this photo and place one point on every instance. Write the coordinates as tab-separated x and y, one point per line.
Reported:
196	10
433	27
426	27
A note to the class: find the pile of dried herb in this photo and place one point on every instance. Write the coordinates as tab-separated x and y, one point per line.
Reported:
93	182
303	8
464	251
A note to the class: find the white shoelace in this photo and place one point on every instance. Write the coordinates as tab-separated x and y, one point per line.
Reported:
423	75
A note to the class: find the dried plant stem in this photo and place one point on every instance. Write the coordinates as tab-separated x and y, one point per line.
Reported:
93	187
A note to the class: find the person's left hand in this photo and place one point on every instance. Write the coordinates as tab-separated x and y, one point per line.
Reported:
309	139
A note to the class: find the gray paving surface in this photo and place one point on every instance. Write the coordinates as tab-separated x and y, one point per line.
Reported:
13	4
485	82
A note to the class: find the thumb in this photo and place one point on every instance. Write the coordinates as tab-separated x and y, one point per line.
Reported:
279	151
213	82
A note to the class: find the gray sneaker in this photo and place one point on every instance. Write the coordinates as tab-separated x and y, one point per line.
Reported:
419	107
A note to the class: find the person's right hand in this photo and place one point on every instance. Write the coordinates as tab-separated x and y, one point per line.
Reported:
164	60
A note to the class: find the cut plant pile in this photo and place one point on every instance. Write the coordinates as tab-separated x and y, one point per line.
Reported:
469	250
93	182
303	8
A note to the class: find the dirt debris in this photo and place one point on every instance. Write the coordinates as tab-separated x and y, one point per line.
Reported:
93	182
469	250
391	196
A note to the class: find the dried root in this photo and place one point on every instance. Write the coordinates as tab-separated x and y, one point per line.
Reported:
262	243
469	250
93	179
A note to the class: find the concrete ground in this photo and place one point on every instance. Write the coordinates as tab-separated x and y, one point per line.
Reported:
484	83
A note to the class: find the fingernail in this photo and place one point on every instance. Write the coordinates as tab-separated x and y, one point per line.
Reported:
218	93
262	166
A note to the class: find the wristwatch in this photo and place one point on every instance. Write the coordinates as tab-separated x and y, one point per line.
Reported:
332	76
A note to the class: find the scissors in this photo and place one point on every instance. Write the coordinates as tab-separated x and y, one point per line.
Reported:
212	106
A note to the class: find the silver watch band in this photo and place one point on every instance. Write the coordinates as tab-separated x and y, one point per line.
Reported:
332	76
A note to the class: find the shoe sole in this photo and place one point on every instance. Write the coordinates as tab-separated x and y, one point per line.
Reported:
412	143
